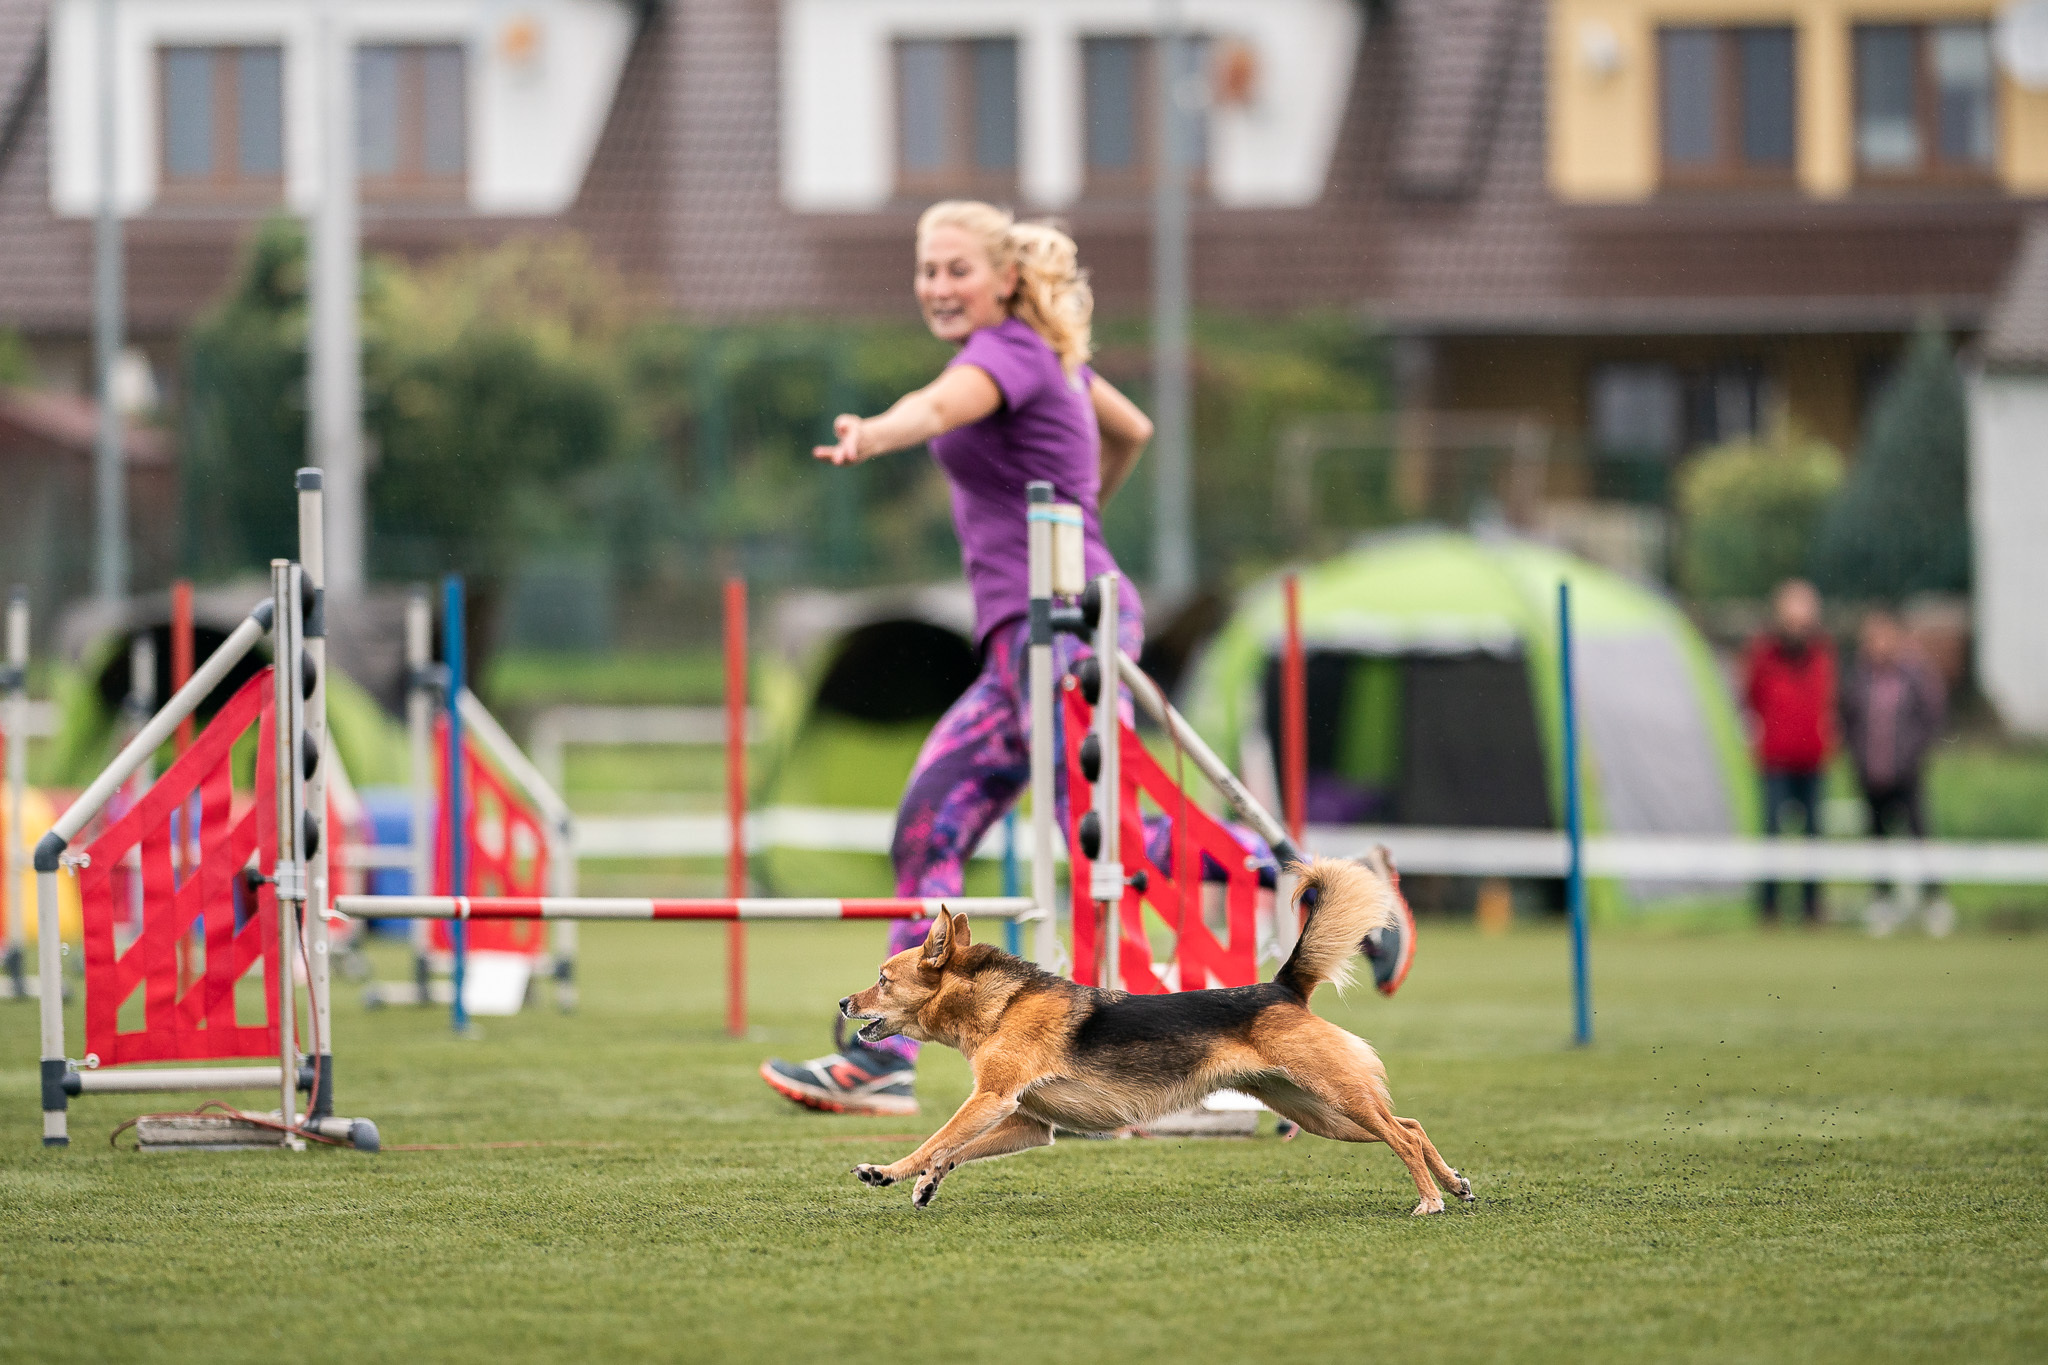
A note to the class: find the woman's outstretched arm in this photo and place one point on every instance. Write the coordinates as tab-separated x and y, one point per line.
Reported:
961	395
1125	430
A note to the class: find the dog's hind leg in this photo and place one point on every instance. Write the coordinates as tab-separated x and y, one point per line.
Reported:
1452	1182
1017	1133
1331	1083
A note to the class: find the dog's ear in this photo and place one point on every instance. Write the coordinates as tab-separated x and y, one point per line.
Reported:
938	944
961	934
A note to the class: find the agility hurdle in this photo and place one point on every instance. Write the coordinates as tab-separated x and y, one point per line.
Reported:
1061	599
440	784
199	863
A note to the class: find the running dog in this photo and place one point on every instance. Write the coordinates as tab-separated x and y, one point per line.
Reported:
1047	1052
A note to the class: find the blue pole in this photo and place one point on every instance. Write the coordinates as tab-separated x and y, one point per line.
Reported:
458	870
1575	827
1013	936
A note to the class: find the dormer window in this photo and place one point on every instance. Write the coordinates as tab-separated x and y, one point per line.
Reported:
956	117
1925	102
1727	105
223	123
412	125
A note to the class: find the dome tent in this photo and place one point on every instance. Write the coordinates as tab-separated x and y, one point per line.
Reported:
1434	693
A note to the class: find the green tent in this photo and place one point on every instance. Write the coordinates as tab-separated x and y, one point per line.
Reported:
1434	697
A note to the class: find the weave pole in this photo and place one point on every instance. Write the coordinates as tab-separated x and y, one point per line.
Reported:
458	868
1574	823
1293	714
736	800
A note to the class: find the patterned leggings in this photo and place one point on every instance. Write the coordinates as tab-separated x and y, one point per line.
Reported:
976	763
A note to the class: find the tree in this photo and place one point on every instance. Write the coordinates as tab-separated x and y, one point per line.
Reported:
1748	511
1901	524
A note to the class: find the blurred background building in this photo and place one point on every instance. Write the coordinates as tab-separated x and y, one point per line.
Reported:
1568	243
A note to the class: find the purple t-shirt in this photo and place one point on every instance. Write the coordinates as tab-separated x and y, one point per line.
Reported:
1045	429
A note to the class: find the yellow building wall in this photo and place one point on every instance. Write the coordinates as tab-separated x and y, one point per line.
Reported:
1602	90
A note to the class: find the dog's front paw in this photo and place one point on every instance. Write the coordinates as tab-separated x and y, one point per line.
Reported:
873	1175
927	1188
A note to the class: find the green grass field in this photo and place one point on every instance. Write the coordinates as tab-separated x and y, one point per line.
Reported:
1804	1147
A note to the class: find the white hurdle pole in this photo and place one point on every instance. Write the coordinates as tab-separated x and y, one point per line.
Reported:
1106	874
1039	513
16	728
419	730
50	848
319	982
288	873
572	908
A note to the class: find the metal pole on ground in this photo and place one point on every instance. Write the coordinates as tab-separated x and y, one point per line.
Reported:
736	800
1173	544
1575	833
334	334
16	729
1293	713
313	697
1013	936
458	870
1106	875
110	491
181	650
190	944
419	727
1039	538
288	873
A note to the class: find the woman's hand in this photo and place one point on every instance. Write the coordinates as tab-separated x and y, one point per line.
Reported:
846	426
963	394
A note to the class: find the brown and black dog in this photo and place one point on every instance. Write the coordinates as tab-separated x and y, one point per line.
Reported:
1048	1052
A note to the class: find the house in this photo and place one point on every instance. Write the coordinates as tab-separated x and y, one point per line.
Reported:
1644	225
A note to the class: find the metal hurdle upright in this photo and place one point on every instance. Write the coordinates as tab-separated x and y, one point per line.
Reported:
293	616
14	725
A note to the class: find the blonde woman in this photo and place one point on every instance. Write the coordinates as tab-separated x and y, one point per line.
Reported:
1017	403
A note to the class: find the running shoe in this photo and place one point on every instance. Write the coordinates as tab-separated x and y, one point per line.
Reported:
854	1080
1390	950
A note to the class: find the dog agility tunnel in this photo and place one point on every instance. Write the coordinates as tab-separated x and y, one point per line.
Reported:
1434	696
848	685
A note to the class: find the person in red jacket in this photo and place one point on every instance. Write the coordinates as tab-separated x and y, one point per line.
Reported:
1788	685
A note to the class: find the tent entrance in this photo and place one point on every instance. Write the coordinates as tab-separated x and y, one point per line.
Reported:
1445	740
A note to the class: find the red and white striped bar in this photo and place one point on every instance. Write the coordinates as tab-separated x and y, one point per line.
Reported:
602	908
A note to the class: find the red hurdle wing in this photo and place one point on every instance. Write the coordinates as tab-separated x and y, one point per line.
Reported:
1201	959
180	890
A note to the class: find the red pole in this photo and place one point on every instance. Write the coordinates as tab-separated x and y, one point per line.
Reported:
1293	715
736	799
181	650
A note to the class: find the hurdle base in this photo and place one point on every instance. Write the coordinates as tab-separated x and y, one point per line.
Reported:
232	1133
207	1133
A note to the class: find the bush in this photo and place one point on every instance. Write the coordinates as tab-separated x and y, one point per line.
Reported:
491	405
1748	511
1901	524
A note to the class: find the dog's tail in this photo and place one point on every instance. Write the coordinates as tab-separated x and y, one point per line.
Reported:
1345	901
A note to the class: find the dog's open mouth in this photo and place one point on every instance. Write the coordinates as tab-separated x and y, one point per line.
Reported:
873	1031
